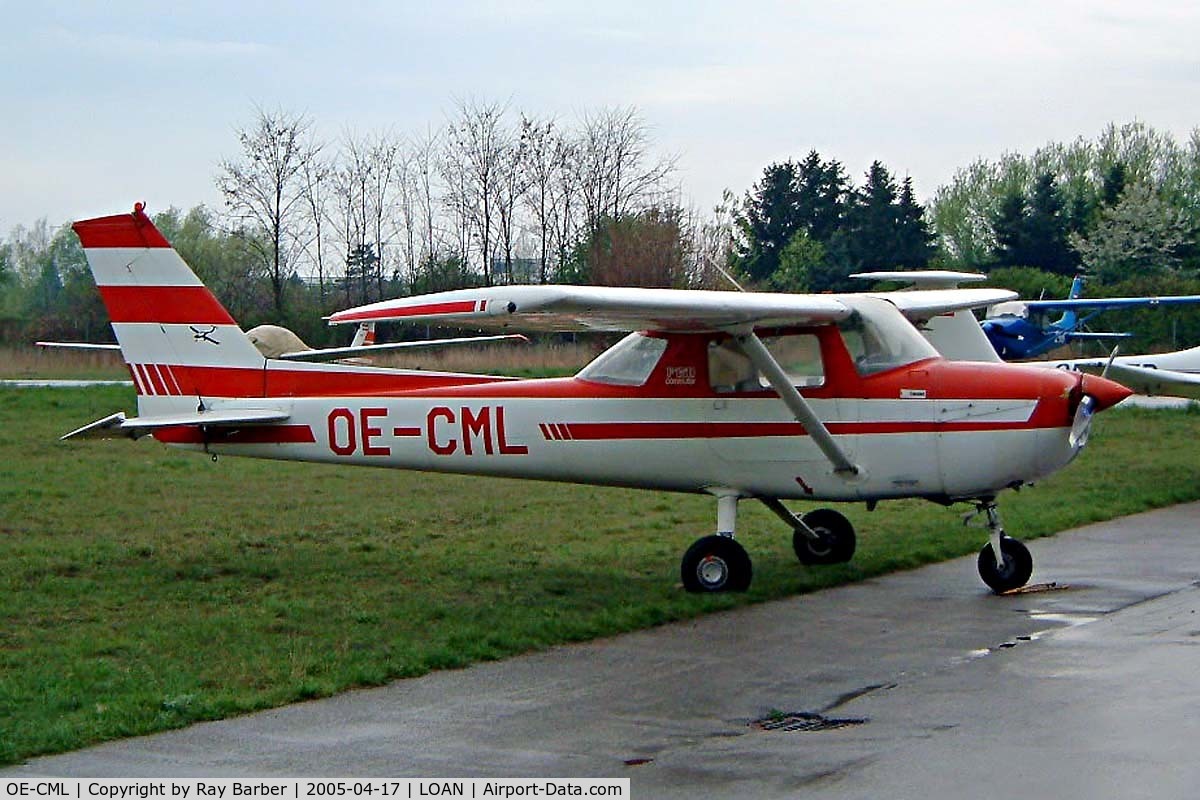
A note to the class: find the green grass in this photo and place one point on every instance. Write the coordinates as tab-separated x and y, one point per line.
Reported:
143	589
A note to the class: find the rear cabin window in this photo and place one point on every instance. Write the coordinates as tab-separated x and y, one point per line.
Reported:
729	370
629	362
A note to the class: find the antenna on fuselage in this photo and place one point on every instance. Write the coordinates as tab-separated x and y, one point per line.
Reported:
1112	356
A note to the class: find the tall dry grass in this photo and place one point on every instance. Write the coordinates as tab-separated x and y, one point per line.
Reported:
18	363
505	358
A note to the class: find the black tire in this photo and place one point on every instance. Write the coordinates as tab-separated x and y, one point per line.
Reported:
835	543
1018	566
716	564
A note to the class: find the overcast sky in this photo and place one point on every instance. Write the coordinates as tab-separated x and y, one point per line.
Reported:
107	103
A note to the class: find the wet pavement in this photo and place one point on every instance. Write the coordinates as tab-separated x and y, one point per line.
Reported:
920	684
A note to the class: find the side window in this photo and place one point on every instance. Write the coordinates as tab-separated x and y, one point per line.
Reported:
799	354
627	363
729	370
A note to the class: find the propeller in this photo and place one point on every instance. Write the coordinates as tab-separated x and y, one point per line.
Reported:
1081	425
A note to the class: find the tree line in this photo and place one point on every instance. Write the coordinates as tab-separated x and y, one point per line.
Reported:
499	196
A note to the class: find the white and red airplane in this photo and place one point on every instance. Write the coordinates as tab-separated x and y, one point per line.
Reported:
737	395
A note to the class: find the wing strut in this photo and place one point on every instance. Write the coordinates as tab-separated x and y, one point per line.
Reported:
761	357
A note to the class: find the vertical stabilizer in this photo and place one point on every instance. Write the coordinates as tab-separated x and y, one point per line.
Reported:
179	342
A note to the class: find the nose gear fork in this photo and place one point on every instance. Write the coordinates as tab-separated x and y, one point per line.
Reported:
1004	563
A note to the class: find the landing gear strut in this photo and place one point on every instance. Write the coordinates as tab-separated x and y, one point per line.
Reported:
1004	563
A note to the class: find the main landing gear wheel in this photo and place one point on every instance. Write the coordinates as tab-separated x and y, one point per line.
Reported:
1018	566
716	564
834	542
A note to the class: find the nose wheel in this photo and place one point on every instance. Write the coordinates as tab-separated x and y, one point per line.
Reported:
1004	563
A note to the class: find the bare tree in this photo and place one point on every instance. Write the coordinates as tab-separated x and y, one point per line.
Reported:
476	144
614	177
424	168
263	190
315	176
540	165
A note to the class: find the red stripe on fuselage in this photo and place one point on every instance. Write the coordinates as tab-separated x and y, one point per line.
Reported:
629	431
264	434
186	305
249	382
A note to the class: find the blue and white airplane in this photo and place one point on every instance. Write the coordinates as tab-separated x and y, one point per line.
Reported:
1017	333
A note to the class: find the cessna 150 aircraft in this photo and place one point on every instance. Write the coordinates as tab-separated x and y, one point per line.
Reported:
737	395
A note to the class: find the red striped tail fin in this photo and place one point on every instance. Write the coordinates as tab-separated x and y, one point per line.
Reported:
176	337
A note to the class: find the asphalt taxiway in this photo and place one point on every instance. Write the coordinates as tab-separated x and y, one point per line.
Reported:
919	684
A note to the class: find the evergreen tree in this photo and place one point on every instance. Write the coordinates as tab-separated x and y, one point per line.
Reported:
822	191
767	221
874	220
1008	228
1047	231
914	242
1113	185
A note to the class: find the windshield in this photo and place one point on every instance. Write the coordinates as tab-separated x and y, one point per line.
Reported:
879	337
1013	308
627	363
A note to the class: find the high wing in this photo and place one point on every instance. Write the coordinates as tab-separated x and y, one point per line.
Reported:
1110	302
1162	382
920	305
1165	374
600	308
118	426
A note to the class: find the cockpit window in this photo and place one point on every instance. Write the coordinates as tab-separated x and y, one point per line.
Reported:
879	338
1012	308
629	362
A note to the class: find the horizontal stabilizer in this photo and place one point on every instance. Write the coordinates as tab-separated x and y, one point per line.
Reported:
118	426
79	345
331	353
1097	335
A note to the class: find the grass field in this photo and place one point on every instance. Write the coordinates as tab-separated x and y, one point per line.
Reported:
143	588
